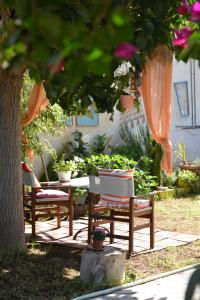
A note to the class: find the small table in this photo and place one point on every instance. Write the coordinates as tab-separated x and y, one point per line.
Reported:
82	182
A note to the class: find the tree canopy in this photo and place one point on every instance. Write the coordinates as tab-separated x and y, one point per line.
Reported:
71	44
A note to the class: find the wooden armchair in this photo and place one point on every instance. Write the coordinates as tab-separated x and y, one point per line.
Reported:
111	198
44	199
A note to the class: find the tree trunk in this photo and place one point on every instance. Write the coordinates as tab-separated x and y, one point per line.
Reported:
11	205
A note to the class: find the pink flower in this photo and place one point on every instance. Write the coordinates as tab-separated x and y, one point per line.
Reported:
182	36
125	50
184	8
195	12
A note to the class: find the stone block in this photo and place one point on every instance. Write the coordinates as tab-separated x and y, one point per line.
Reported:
103	266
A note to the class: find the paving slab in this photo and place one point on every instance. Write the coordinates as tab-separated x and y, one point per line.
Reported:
48	233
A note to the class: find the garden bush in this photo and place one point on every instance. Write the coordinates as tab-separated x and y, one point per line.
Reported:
138	145
169	181
144	182
187	178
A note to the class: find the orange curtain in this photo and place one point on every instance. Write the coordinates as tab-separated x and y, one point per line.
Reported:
37	102
156	93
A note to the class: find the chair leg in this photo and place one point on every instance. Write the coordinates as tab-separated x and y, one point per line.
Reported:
152	239
33	221
90	206
131	227
70	212
112	225
58	216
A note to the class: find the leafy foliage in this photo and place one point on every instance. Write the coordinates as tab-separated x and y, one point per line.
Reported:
181	152
100	144
169	181
78	146
187	178
94	162
141	147
190	19
153	150
144	182
63	166
49	122
75	57
132	142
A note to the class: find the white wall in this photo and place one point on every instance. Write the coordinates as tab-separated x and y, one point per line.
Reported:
187	128
111	128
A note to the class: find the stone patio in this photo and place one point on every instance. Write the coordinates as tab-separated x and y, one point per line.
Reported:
48	233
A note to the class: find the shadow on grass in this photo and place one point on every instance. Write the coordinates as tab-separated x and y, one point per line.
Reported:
43	272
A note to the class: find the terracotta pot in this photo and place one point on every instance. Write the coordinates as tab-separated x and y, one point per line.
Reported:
97	244
190	167
126	101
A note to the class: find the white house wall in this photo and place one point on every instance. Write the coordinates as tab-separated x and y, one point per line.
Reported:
111	128
187	128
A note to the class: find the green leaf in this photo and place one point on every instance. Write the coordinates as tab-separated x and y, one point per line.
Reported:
95	54
117	19
194	37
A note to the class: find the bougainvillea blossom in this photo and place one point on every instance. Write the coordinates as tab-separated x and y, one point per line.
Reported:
126	51
182	36
184	8
195	12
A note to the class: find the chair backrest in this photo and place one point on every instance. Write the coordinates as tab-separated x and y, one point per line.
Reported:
114	186
94	184
28	177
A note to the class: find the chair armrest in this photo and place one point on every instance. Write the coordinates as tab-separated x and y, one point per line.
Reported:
53	187
50	183
149	197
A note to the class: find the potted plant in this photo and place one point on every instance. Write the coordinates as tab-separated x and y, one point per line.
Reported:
187	178
193	166
126	85
99	236
79	198
64	169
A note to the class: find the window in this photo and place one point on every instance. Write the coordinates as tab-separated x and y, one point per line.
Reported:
181	89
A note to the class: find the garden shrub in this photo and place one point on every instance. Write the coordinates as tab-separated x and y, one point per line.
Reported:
187	178
100	144
141	144
144	182
78	146
48	123
169	181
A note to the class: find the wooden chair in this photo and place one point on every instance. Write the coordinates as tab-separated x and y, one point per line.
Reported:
112	199
44	201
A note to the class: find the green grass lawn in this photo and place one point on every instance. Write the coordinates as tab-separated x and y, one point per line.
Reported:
180	215
52	272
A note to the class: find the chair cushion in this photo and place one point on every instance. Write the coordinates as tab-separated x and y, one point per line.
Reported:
114	201
138	203
52	194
